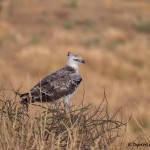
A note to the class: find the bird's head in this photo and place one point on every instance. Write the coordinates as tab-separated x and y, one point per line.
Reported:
74	60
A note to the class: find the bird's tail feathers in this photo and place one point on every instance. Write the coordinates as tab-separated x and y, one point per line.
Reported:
24	98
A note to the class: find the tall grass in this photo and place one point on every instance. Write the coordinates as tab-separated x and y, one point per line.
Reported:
83	127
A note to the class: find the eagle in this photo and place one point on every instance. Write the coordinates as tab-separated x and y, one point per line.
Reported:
60	84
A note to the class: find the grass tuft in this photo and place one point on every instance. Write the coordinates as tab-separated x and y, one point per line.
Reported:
72	4
95	41
143	26
69	25
36	40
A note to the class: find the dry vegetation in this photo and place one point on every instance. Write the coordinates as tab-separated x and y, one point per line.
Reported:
82	127
112	35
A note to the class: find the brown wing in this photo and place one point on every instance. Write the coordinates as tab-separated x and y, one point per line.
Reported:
51	91
54	86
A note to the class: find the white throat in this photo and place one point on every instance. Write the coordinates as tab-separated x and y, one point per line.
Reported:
73	64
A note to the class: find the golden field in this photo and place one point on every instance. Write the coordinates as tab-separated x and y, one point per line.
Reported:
113	36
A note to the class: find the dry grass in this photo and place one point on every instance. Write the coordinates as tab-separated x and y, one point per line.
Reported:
83	127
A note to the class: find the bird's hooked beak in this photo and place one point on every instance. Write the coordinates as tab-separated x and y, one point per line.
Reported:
82	61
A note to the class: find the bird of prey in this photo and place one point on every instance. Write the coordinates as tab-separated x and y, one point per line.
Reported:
56	85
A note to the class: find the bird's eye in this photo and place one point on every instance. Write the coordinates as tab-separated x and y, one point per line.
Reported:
76	59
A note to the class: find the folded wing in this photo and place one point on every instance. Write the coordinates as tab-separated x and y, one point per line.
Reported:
54	86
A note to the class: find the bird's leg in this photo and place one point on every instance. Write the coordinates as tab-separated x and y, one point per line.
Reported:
57	104
66	104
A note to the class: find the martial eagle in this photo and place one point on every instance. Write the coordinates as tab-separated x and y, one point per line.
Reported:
56	85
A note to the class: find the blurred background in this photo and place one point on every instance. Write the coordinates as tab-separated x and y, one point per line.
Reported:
113	36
